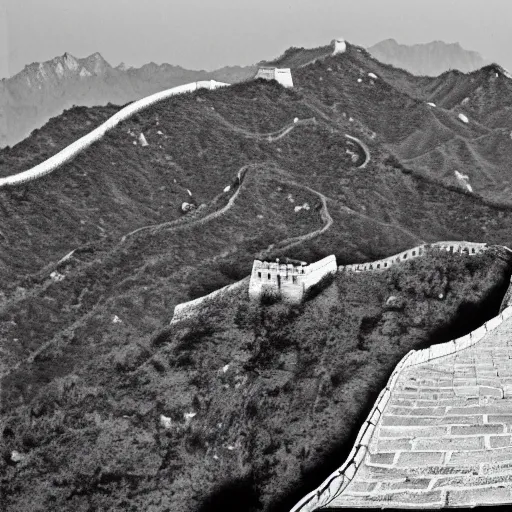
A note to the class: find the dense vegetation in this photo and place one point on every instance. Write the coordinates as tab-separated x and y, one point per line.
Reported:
262	401
86	370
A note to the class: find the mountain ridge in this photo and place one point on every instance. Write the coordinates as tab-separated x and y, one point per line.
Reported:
429	59
95	256
45	89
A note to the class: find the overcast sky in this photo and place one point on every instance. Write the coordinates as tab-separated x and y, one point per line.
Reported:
206	34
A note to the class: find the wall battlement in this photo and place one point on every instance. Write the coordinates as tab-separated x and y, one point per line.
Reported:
452	247
288	281
281	75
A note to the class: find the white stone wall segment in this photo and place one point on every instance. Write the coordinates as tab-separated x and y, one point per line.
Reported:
69	152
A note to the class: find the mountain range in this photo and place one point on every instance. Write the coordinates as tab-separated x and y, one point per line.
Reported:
43	90
106	405
428	59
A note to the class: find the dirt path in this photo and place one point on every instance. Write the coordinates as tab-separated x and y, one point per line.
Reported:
270	136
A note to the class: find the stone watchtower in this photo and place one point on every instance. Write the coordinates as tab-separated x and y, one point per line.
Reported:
281	75
288	281
338	46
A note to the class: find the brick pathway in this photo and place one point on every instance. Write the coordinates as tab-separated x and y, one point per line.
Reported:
444	438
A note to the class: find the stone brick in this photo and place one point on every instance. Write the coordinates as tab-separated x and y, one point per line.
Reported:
450	443
469	430
462	420
390	421
491	391
411	432
481	496
417	411
500	441
504	419
418	459
361	487
484	409
381	458
393	445
462	458
407	483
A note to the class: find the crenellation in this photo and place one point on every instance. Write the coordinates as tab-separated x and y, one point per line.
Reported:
288	281
281	75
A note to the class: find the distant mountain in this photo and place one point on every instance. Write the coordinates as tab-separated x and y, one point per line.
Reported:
43	90
429	59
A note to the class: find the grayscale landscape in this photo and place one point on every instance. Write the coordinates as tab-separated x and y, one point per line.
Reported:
264	265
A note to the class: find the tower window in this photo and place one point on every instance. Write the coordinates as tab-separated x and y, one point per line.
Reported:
259	275
269	277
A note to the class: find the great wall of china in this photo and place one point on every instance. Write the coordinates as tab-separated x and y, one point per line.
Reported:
279	278
433	426
440	433
283	76
71	151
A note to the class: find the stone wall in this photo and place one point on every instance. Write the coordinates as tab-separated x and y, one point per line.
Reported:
453	247
290	282
282	75
191	308
69	152
334	485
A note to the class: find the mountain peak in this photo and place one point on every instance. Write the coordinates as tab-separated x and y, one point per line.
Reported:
429	59
95	63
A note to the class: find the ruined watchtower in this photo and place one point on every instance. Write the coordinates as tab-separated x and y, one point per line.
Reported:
288	281
281	75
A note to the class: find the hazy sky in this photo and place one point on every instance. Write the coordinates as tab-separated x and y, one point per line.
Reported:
208	34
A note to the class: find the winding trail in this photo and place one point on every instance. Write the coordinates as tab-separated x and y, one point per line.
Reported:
177	224
292	242
269	136
365	149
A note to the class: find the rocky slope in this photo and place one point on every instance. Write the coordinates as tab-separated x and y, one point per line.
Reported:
94	257
430	59
43	90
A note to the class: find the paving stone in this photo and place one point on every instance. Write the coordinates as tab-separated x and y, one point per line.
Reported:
393	445
462	420
407	483
500	441
381	458
474	457
418	459
389	420
469	430
504	419
411	432
485	496
444	438
450	443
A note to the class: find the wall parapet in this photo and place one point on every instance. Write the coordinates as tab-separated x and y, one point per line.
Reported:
286	280
335	484
470	248
187	309
71	151
281	75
